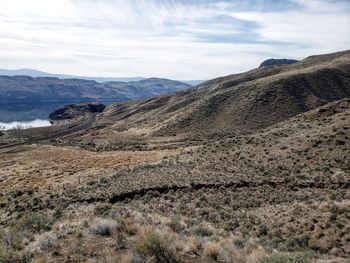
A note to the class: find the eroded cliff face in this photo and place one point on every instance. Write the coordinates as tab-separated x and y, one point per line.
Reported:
74	112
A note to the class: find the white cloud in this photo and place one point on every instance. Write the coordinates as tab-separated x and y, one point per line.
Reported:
317	32
175	39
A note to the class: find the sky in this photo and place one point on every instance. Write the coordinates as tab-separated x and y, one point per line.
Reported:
177	39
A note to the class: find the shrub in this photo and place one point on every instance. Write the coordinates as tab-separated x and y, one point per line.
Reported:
213	250
319	245
195	245
137	258
154	245
11	256
176	225
202	230
296	243
59	210
47	242
34	223
58	213
103	228
287	258
102	209
12	238
239	243
263	230
131	228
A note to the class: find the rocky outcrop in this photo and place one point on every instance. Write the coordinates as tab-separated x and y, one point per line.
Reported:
272	62
74	112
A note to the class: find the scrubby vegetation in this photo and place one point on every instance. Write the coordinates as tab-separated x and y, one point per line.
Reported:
278	194
205	204
130	236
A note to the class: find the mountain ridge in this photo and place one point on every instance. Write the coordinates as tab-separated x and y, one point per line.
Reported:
46	89
37	73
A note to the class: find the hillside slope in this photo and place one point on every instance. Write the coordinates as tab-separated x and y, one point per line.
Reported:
284	188
237	103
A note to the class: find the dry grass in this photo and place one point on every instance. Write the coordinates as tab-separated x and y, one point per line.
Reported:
52	168
213	250
77	236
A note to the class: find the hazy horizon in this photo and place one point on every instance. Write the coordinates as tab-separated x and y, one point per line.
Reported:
195	39
68	74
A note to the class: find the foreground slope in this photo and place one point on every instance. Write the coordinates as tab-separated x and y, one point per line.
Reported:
285	188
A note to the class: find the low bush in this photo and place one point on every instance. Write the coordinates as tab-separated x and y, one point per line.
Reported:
47	242
102	209
299	257
239	243
103	228
12	238
34	223
213	250
29	224
131	228
154	245
176	225
11	256
296	243
203	231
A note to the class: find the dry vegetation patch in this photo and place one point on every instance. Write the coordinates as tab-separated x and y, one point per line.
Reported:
50	168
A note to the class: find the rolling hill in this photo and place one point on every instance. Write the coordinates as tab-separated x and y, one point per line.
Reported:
240	103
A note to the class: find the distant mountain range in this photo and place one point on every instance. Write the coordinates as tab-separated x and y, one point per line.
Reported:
51	89
36	73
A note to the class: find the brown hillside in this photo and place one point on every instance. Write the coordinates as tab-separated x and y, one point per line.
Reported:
285	187
240	102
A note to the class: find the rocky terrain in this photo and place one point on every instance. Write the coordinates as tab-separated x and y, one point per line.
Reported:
251	168
51	89
73	112
273	62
